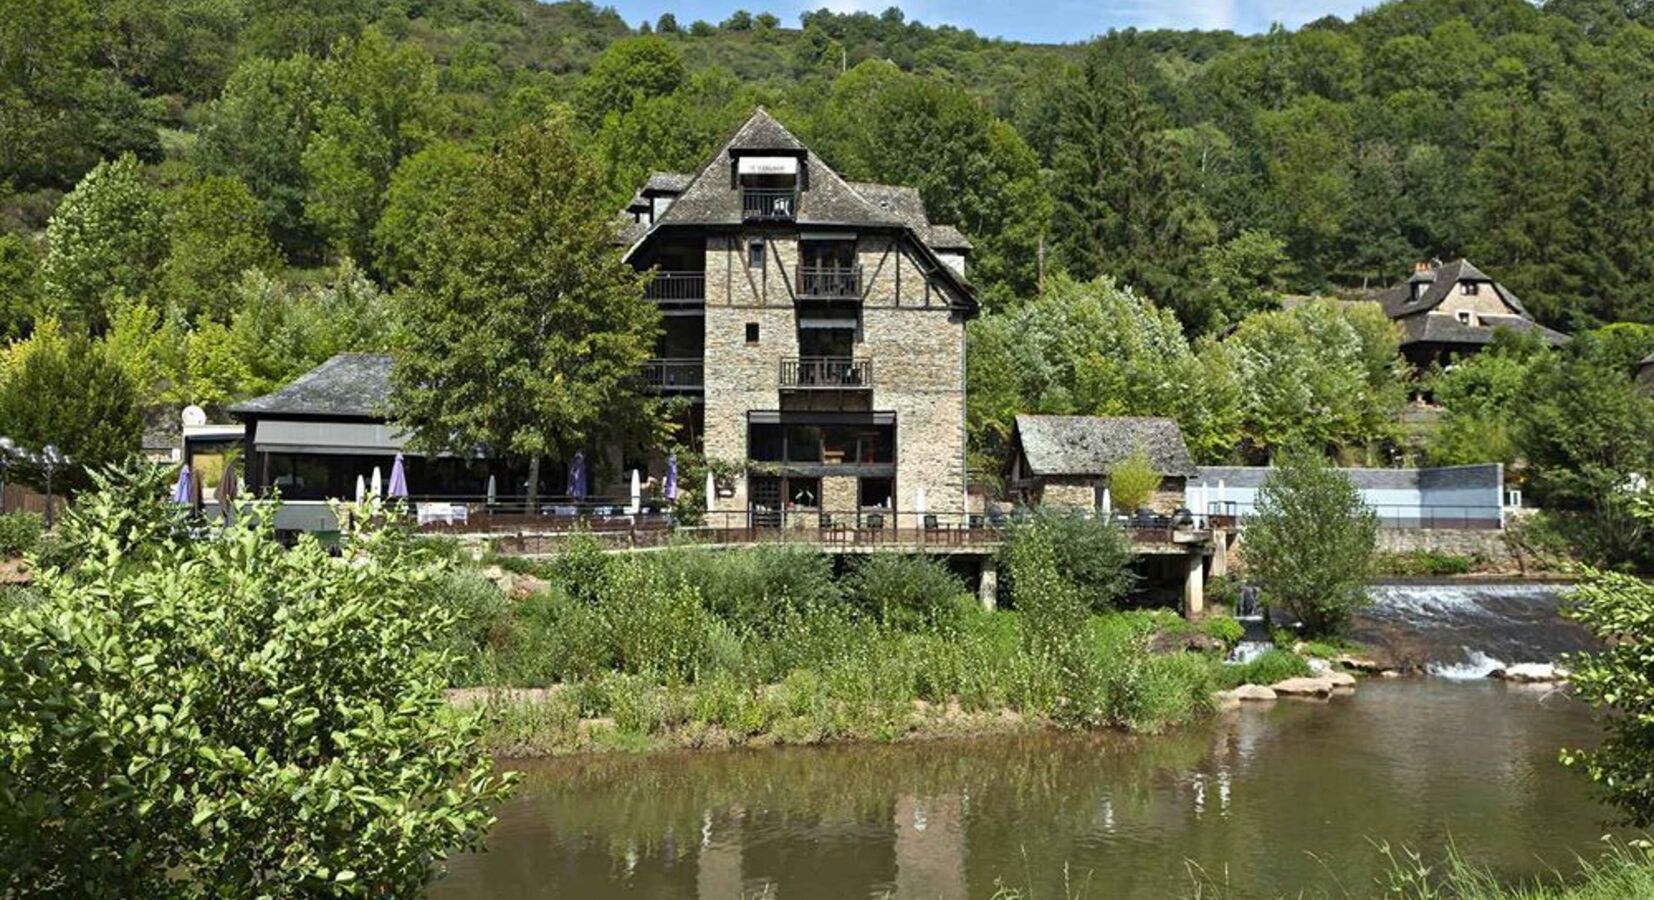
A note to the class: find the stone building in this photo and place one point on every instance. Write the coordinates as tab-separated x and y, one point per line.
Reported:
818	327
1451	310
1065	461
1645	375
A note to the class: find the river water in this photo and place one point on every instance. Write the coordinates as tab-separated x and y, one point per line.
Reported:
1287	799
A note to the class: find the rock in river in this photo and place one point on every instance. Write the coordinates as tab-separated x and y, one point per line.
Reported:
1530	673
1303	687
1252	692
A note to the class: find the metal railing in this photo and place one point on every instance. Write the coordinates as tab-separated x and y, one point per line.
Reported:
769	204
827	373
669	375
676	287
829	282
1400	516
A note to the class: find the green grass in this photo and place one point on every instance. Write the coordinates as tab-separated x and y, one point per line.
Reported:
1269	667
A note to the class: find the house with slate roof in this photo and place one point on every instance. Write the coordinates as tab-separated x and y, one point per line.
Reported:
1065	461
813	328
1451	310
817	325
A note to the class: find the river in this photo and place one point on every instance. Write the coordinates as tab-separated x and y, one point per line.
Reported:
1290	798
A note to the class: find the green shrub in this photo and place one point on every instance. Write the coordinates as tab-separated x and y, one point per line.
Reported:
1426	563
1092	554
230	703
753	587
1618	610
1133	481
1269	667
907	591
20	533
480	623
1225	628
581	566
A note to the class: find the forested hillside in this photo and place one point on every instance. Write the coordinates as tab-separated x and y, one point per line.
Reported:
211	196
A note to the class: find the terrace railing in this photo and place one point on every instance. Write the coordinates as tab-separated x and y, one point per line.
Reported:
769	204
826	373
674	375
677	287
829	282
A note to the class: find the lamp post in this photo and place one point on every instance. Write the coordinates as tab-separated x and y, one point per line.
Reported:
8	452
51	459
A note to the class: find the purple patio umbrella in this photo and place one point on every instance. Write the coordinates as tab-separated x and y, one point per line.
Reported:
577	476
181	491
672	476
399	479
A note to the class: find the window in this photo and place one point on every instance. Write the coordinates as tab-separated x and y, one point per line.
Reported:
1470	288
1466	317
755	255
752	332
875	492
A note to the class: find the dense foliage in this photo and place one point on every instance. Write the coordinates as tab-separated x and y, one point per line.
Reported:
215	717
1618	610
1310	545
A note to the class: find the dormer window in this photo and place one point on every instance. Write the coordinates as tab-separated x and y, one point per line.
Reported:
769	187
1466	317
1470	288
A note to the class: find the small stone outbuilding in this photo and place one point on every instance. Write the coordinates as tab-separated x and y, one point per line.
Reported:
1065	461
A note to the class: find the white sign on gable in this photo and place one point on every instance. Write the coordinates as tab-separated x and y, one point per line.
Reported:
767	165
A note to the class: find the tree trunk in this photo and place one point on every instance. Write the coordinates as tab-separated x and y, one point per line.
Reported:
533	484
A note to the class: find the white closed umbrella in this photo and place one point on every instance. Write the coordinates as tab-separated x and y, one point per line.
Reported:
711	489
1223	495
493	491
919	503
361	489
377	486
637	491
1108	502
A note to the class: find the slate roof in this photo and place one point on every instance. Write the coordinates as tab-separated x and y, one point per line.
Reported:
1092	445
1444	329
163	429
829	200
350	385
666	183
1398	301
947	237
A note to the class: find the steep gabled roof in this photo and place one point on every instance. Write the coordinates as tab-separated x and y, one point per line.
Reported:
710	200
947	237
666	183
1398	301
1094	445
350	385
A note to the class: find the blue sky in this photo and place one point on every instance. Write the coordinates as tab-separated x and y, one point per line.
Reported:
1028	20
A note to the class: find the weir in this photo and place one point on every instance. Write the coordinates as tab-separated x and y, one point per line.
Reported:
1465	631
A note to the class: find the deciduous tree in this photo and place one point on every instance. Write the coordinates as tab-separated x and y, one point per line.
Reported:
105	241
522	329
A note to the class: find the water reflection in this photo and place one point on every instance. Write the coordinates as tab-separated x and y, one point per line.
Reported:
1283	800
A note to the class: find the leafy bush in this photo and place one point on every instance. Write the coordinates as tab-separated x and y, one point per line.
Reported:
252	719
1224	628
1133	481
1618	610
20	533
480	620
1091	554
1269	667
1310	544
753	587
907	591
1426	563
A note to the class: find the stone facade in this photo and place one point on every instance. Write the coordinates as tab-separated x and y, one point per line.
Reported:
1080	492
913	338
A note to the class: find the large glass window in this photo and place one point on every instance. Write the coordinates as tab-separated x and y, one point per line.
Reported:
822	444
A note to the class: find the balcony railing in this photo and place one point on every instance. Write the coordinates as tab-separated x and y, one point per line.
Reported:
829	282
677	287
674	375
769	204
827	373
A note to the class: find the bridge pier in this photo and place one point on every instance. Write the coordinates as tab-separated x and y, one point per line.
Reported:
1194	587
987	588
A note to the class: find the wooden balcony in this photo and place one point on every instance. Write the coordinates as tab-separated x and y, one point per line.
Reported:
675	376
769	204
677	287
829	282
826	373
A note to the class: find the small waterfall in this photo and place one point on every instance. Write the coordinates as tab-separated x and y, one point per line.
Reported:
1246	651
1465	631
